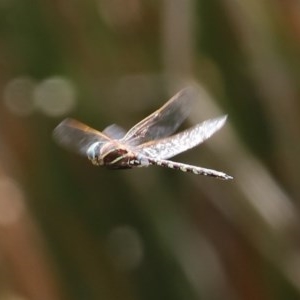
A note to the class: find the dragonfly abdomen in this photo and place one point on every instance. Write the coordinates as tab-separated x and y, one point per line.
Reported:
188	168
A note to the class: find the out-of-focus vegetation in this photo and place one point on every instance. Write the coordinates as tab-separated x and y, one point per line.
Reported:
69	230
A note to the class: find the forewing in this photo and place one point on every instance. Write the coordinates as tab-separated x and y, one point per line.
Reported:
187	139
77	136
164	121
114	131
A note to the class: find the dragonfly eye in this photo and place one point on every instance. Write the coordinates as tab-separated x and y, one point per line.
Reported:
93	153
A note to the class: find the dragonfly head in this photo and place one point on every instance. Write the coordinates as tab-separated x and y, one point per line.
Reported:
93	153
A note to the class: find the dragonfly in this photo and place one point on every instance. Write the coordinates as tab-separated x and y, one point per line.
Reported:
150	142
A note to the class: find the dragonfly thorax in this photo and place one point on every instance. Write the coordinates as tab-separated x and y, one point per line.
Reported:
111	155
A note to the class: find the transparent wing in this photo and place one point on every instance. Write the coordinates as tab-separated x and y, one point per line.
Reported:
77	136
114	131
164	121
175	144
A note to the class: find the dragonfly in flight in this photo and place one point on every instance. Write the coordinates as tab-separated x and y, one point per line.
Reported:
150	142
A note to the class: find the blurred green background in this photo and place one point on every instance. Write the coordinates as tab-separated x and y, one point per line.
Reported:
69	230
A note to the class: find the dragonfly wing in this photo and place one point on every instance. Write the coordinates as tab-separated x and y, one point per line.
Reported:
77	136
164	121
114	131
178	143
